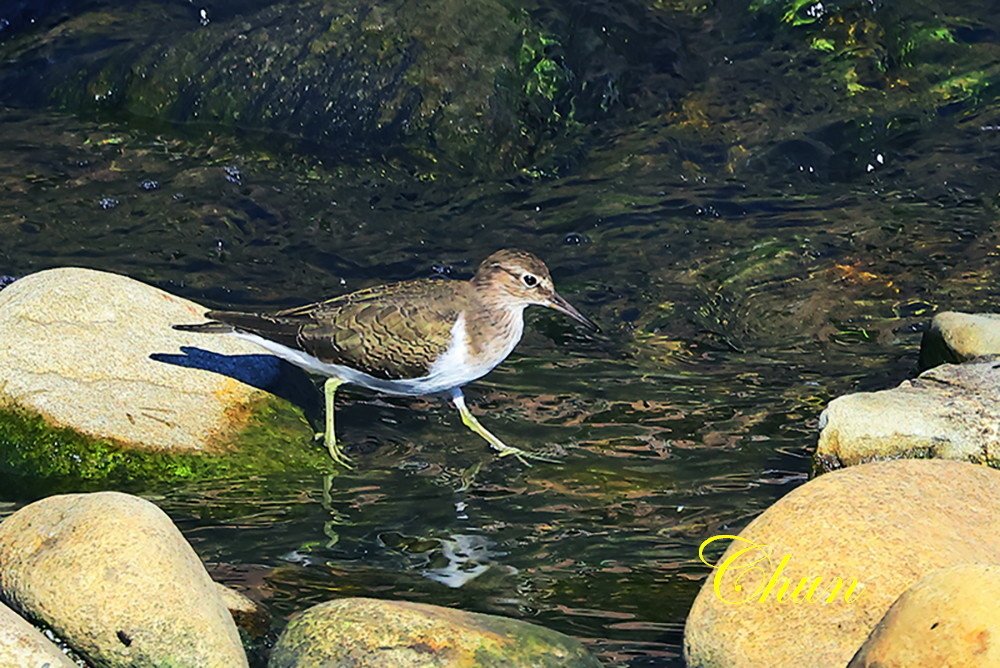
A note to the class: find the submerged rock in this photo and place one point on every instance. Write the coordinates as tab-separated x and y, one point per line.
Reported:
370	633
949	412
958	337
950	618
21	644
469	83
885	525
114	578
250	617
90	369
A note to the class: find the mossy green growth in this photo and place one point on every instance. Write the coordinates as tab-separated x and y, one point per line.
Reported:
543	75
823	44
276	438
795	12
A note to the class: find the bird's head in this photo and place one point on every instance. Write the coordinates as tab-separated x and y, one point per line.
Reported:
519	278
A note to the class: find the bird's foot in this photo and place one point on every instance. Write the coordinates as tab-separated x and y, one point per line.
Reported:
522	455
337	454
468	477
470	421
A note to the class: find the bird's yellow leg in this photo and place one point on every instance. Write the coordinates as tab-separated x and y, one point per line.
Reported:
470	421
329	437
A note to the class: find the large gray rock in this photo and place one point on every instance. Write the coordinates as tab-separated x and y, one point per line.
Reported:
23	646
114	578
370	633
950	618
77	346
885	524
958	337
949	412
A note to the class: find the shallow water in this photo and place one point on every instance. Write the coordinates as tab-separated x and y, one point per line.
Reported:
735	303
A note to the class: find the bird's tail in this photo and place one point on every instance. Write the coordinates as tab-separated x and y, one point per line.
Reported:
211	327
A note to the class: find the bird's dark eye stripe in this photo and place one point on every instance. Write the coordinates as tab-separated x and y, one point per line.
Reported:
530	280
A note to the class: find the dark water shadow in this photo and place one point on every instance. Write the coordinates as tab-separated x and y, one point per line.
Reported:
264	372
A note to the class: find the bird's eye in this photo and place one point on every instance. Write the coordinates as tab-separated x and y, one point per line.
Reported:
529	280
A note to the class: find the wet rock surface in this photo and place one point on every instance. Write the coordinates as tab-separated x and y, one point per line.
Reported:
77	350
21	644
114	578
369	633
949	618
94	353
949	412
958	337
885	524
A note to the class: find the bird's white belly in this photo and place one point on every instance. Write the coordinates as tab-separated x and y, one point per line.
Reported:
454	368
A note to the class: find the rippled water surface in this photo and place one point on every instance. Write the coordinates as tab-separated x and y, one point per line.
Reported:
737	295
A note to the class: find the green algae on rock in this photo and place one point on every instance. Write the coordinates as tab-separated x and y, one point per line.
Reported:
276	438
115	579
369	633
91	387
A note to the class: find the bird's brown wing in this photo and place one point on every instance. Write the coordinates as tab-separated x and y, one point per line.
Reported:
392	332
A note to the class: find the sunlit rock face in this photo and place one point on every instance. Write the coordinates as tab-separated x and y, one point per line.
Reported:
113	576
949	618
958	337
867	533
95	383
949	412
21	644
369	632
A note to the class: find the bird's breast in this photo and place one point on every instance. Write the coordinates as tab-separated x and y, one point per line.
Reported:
476	347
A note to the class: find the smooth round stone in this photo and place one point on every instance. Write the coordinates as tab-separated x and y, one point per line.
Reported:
21	644
885	524
370	633
95	352
950	618
115	579
959	337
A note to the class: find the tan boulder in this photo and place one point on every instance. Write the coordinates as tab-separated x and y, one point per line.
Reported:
949	412
23	646
958	337
77	350
370	633
884	524
950	619
115	579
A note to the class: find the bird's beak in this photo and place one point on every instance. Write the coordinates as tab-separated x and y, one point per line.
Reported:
558	303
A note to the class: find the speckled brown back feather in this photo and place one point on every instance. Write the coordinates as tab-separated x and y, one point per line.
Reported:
391	332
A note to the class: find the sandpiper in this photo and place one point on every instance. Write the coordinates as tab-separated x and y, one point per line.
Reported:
412	338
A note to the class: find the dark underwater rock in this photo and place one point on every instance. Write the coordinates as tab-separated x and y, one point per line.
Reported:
449	80
484	85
